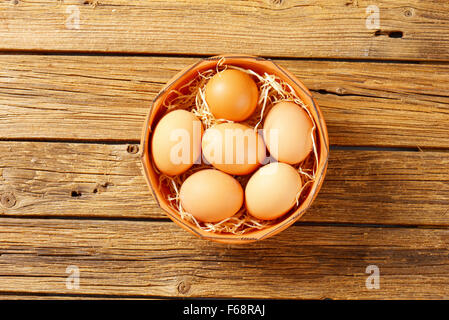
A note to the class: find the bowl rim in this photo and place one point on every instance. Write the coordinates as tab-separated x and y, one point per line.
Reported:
145	155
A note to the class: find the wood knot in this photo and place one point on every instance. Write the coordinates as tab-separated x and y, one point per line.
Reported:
183	287
75	194
353	3
7	199
101	187
92	3
340	91
409	12
133	148
276	2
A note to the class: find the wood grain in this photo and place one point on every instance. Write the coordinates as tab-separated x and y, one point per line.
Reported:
107	98
98	180
73	101
272	28
159	259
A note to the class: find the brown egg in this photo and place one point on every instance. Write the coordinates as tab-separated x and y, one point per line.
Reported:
271	191
211	195
233	148
232	95
288	132
176	142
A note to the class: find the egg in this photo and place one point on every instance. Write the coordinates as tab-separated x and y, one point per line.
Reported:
211	195
176	142
233	148
288	132
231	94
272	190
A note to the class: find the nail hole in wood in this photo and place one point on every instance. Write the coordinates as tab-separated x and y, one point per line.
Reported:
395	34
390	34
76	194
132	148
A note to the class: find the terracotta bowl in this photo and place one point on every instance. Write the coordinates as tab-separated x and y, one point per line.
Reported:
259	65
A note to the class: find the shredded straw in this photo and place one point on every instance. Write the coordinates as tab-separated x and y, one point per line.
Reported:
191	96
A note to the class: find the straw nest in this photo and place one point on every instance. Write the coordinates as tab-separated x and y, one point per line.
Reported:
191	97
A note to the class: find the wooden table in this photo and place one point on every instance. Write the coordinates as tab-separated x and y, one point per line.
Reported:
77	79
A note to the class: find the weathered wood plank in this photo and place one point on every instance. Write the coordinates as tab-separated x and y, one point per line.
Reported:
160	259
106	98
384	188
96	180
66	179
407	29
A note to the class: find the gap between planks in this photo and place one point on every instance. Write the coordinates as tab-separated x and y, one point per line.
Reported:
73	53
